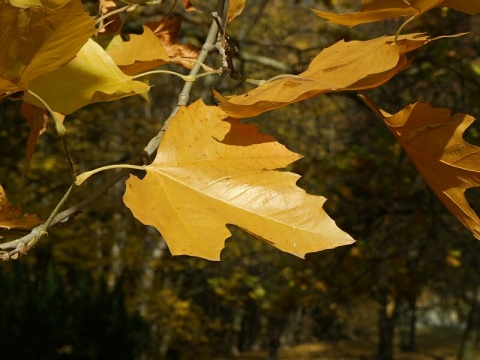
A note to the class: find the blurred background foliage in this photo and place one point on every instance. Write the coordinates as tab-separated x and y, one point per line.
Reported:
106	287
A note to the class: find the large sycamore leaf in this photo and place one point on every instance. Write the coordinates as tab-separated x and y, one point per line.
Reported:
91	77
37	39
432	138
211	171
353	65
11	216
386	9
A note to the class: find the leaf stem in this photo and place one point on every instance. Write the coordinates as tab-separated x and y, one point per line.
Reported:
402	27
84	176
187	78
371	104
264	82
59	127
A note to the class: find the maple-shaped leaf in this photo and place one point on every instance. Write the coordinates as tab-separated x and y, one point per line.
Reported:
167	32
353	65
235	8
141	53
433	139
386	9
210	171
11	216
37	39
91	77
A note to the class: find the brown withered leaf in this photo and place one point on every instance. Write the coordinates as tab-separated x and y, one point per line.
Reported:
187	4
167	31
353	65
210	171
11	216
433	139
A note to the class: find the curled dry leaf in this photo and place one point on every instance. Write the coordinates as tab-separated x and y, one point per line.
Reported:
353	65
433	139
37	118
167	32
187	4
11	216
387	9
211	171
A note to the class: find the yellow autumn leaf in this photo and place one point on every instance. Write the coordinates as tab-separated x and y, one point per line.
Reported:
50	4
210	171
353	65
91	77
235	8
36	40
380	10
432	138
387	9
11	216
141	53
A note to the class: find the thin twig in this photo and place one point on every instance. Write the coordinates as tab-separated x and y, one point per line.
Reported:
187	87
69	157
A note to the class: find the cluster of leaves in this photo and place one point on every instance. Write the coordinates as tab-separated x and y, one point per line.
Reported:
211	170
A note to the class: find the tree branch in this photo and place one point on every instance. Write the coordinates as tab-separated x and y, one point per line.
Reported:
12	249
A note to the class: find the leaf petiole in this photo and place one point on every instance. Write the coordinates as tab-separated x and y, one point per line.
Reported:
186	78
84	176
59	127
402	27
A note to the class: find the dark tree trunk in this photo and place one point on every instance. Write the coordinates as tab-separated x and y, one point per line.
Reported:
468	349
387	321
407	320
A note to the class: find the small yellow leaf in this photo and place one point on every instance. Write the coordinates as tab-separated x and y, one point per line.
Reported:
141	53
353	65
433	140
380	10
235	8
211	171
386	9
50	4
91	77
